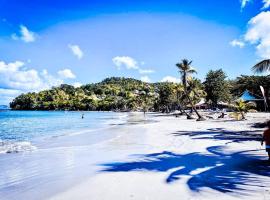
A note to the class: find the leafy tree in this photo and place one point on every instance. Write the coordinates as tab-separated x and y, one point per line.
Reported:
216	87
166	97
252	84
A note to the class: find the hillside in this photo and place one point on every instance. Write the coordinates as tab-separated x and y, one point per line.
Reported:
114	93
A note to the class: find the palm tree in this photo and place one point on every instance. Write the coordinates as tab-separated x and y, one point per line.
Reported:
179	91
242	108
185	70
262	66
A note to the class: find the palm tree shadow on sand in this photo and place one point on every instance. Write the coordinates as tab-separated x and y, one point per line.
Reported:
217	169
222	134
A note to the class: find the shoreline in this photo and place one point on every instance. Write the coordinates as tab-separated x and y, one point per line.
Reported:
139	155
130	176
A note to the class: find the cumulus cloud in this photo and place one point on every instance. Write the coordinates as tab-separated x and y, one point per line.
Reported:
130	63
77	84
76	50
145	79
244	3
146	71
170	79
125	61
237	43
266	4
66	74
258	33
15	78
6	95
25	35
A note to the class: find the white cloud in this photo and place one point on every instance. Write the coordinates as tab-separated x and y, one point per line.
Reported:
76	50
16	76
244	3
146	71
66	73
266	4
145	79
170	79
125	61
130	63
9	92
25	35
258	33
49	80
77	84
237	43
6	95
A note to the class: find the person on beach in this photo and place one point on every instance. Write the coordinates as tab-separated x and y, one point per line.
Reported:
266	139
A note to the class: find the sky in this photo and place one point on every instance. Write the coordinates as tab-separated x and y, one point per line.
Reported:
44	43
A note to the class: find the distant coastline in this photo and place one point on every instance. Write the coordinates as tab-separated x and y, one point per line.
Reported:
127	94
4	107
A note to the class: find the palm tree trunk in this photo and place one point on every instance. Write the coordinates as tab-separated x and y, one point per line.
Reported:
182	110
200	117
184	80
243	115
188	115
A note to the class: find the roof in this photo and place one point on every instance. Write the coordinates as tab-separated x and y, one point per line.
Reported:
248	96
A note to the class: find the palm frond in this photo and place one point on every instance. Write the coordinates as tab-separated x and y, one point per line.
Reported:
192	71
262	66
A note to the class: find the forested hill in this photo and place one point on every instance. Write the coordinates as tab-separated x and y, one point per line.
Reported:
111	94
128	94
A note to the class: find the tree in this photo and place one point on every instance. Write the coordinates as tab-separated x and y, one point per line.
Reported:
263	66
166	96
195	90
185	70
243	107
252	84
216	86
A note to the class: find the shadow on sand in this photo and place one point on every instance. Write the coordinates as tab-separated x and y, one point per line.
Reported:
218	169
223	134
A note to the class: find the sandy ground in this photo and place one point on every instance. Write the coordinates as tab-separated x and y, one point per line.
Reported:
176	158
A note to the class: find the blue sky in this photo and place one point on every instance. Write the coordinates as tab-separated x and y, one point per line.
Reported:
45	43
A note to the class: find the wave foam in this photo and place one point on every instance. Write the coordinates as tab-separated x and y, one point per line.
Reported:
15	147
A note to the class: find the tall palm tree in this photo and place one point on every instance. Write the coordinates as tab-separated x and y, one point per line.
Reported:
179	91
262	66
185	70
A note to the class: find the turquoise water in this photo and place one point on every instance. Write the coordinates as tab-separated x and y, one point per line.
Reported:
27	126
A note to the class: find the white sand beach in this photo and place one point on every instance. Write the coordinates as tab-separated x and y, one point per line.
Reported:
176	158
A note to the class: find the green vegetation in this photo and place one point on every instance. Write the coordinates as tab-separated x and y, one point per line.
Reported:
216	87
242	108
128	94
110	94
190	87
262	66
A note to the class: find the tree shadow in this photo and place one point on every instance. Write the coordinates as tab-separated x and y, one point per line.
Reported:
223	134
215	169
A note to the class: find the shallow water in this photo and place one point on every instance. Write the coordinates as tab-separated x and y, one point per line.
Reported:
67	149
19	129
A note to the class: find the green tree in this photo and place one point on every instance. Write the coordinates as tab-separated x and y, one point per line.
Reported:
185	70
216	87
243	107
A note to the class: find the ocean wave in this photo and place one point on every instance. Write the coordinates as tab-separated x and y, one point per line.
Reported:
15	147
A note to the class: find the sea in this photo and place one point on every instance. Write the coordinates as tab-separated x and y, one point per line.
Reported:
19	130
44	153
